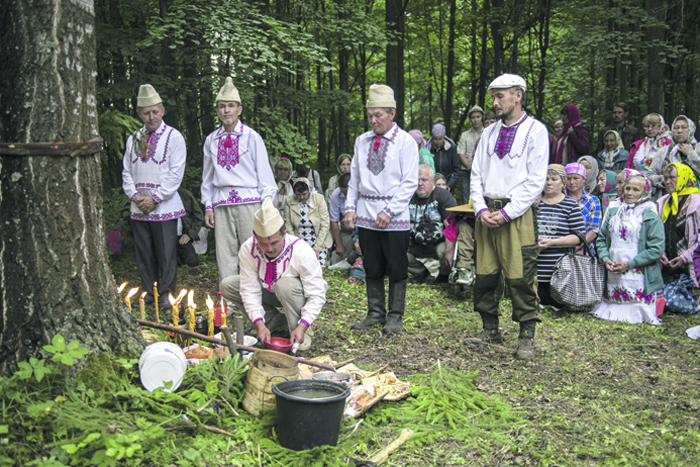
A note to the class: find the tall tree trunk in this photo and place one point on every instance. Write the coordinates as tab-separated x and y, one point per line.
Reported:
544	62
655	35
450	67
484	69
395	24
169	73
192	62
497	36
54	272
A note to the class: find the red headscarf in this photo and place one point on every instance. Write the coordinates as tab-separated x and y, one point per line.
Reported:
574	119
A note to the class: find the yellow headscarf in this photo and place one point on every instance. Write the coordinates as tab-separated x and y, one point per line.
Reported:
685	185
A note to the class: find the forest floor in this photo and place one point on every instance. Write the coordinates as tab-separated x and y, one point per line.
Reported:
597	393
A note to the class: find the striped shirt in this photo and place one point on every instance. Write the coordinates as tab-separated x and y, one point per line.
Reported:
556	221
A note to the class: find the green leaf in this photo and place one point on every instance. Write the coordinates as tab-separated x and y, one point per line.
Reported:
4	429
50	348
66	359
212	387
59	342
73	345
25	370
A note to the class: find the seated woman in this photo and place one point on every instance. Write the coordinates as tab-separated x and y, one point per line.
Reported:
657	143
607	188
589	204
283	176
440	181
680	214
342	166
630	243
683	152
591	182
614	156
558	217
306	216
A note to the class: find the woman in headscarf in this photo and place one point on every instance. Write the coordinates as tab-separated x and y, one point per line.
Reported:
306	216
283	176
608	189
614	156
590	205
424	156
575	138
558	217
445	157
630	243
342	166
657	143
683	152
591	182
680	213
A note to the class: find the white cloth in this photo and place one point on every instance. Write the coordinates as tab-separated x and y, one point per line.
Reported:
239	174
467	142
297	259
383	180
520	175
694	333
155	171
647	154
624	298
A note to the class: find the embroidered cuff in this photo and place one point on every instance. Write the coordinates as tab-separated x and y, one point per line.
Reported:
157	199
388	212
209	208
305	323
478	214
259	319
349	208
135	195
505	216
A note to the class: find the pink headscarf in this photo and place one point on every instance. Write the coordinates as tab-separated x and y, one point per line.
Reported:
574	119
576	168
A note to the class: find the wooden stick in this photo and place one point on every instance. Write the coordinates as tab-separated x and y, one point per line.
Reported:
214	340
239	330
342	364
229	339
383	455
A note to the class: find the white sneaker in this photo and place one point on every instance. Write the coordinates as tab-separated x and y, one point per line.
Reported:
465	276
342	265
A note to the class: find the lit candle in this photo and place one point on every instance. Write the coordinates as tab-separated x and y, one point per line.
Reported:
223	311
121	287
155	300
142	306
131	293
176	312
191	306
210	321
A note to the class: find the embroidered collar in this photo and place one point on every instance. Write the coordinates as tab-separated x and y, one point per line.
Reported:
274	268
237	130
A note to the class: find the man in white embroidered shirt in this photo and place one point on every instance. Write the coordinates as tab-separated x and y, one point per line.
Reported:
236	178
508	173
154	164
384	176
277	270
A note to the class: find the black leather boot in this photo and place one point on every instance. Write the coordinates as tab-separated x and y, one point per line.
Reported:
376	313
397	304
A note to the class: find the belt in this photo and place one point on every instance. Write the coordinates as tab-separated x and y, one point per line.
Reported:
496	203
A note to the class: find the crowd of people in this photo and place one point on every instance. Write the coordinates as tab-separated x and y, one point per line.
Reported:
527	199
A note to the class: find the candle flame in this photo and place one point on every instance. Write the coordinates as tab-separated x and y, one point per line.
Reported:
181	295
172	299
210	303
121	287
143	295
132	292
190	298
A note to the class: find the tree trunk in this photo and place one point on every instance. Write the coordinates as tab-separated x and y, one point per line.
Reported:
450	67
497	36
484	69
395	24
655	35
55	277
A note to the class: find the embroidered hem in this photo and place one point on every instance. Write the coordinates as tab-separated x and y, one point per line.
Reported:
368	223
168	216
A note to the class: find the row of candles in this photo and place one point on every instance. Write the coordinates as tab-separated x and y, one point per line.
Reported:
175	302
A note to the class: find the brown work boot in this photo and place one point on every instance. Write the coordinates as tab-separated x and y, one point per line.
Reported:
490	335
526	341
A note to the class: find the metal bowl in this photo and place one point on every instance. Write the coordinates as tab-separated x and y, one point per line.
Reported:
279	344
336	377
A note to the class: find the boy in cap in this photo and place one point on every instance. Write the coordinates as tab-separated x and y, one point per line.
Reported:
384	176
277	270
236	178
509	172
465	147
154	164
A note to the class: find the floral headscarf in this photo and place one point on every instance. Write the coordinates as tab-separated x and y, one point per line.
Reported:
626	175
646	194
592	175
685	185
574	119
610	188
664	133
691	129
674	155
610	155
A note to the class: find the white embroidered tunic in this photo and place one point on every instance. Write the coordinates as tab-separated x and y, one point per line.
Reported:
384	177
236	168
513	166
154	165
297	259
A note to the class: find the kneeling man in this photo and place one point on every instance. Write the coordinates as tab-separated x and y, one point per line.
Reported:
277	270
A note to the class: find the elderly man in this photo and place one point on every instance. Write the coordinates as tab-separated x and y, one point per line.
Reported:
428	211
277	270
236	178
384	176
465	148
628	133
509	172
154	163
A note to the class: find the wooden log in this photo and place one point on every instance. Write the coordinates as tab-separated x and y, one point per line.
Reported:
51	149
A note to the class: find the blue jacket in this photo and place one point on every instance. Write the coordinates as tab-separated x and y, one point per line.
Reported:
619	163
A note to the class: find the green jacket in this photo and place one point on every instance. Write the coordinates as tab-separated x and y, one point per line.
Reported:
652	242
194	219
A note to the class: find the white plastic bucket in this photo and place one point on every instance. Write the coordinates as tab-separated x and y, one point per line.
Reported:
161	362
